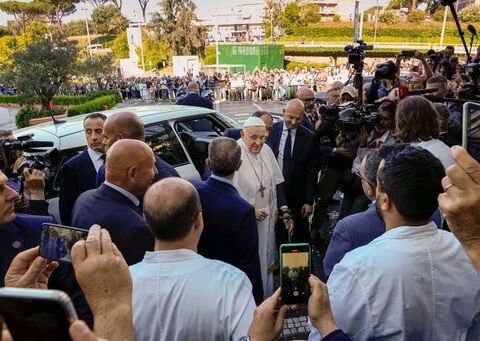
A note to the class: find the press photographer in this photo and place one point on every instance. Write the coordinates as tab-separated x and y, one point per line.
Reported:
386	78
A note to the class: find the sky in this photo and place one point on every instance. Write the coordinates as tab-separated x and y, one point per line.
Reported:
131	8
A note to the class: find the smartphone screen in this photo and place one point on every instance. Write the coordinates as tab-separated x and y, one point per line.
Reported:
295	270
57	241
471	129
35	314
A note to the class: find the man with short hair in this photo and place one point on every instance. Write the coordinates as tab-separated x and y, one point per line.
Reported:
307	96
79	174
296	150
194	99
414	282
257	181
130	169
178	294
230	232
127	125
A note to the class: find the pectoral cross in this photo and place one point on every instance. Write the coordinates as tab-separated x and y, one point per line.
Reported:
262	190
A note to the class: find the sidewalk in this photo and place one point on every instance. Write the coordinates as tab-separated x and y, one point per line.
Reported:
7	117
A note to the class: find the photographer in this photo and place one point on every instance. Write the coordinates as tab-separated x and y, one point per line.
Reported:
427	71
386	78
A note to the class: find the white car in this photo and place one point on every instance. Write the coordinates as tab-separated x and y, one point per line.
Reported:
180	135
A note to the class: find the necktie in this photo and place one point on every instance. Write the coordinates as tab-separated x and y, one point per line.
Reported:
287	152
103	157
379	144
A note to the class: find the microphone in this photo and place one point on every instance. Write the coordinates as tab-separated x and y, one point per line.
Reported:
403	91
472	29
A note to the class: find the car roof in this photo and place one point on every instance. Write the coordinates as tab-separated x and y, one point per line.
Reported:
56	133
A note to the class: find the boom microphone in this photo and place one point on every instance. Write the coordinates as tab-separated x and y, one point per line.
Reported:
472	29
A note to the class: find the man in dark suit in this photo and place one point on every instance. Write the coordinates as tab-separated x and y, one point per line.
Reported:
296	149
127	125
194	99
307	96
114	205
230	231
79	174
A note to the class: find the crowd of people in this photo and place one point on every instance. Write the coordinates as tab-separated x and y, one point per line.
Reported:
170	259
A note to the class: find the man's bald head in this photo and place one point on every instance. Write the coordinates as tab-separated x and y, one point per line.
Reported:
122	125
307	96
130	164
193	87
293	113
171	206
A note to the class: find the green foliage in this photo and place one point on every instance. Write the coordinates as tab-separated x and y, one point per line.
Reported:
42	68
96	68
292	65
440	13
56	10
120	46
470	14
272	17
291	17
7	99
337	18
210	55
154	52
69	100
23	12
335	52
389	17
102	93
29	112
416	16
109	19
75	28
309	13
96	105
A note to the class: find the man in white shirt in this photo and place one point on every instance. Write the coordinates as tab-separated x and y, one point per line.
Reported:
178	294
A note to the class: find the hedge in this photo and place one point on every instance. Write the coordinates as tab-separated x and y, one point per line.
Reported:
96	105
66	100
27	113
8	99
336	52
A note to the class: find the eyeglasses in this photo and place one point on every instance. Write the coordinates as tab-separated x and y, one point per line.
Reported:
254	138
307	99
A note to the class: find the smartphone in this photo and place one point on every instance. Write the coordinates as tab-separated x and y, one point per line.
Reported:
37	315
408	53
471	129
56	241
295	268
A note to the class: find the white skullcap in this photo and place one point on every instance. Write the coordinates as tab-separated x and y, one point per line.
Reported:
253	122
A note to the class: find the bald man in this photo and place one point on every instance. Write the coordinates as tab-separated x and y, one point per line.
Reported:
178	294
194	99
307	96
130	170
127	125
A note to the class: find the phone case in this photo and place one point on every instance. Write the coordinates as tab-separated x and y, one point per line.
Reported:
295	268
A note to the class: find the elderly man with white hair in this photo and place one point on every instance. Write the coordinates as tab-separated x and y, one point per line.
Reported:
256	180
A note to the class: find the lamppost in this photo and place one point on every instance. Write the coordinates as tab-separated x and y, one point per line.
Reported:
140	39
271	25
88	31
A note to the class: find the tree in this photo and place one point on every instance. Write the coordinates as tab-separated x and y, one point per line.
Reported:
109	19
42	68
97	3
120	46
439	14
175	29
23	12
154	52
389	17
416	16
57	9
310	13
97	68
143	5
470	14
411	4
291	17
272	17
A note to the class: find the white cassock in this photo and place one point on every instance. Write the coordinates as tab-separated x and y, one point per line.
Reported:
256	172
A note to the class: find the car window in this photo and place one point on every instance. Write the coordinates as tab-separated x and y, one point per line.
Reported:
164	143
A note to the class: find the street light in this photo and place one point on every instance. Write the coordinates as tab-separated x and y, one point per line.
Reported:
88	31
271	25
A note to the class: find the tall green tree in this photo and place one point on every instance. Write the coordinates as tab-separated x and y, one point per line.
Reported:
97	68
310	13
109	19
23	12
120	46
291	17
174	26
57	9
272	17
42	68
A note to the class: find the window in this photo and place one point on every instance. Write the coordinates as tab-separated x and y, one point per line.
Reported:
164	143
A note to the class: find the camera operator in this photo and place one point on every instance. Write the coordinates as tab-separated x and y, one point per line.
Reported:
427	71
354	199
386	78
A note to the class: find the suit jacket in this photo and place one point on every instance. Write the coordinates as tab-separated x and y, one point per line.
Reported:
78	176
195	100
230	232
301	177
21	234
357	230
307	123
233	133
116	213
164	169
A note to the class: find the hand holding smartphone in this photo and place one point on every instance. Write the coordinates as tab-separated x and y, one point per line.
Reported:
57	241
295	269
36	314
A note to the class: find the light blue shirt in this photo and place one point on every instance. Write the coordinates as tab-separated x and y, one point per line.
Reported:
179	295
126	193
411	283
